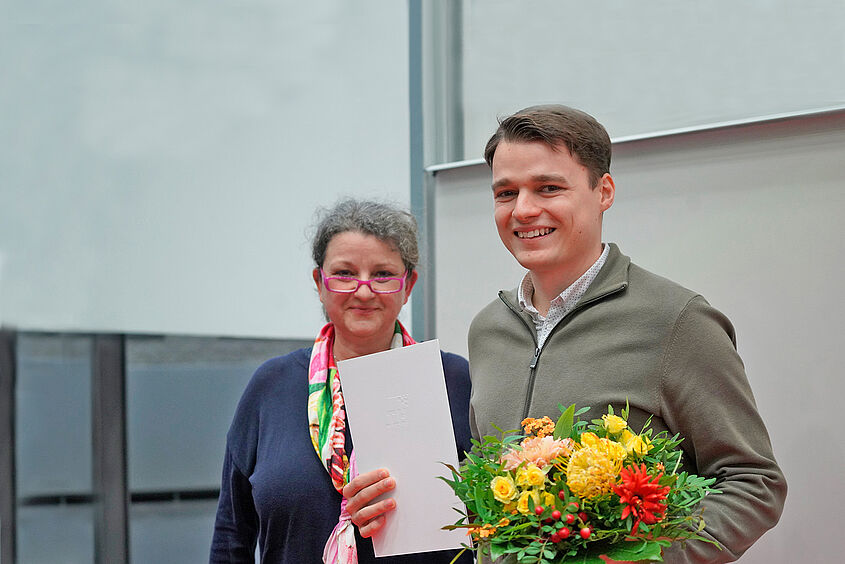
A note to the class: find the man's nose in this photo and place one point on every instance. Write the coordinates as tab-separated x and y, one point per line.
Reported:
525	207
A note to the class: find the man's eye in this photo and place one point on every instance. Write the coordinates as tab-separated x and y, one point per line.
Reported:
551	188
504	194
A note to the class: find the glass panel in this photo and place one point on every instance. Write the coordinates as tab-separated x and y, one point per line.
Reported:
56	533
53	449
171	532
181	395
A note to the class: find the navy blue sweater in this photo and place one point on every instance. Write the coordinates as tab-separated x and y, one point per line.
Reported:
276	492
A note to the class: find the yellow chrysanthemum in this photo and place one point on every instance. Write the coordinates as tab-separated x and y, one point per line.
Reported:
592	471
614	450
613	423
589	439
530	475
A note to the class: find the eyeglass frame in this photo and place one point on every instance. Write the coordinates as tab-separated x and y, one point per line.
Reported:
367	283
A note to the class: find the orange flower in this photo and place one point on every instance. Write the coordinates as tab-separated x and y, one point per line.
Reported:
482	532
543	427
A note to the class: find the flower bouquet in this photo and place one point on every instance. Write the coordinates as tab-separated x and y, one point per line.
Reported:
576	492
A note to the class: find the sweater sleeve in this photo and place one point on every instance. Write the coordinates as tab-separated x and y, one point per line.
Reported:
706	398
236	524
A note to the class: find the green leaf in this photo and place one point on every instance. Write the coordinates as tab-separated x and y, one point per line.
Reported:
497	551
563	428
639	550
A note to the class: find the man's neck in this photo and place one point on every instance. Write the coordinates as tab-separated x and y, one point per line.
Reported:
550	284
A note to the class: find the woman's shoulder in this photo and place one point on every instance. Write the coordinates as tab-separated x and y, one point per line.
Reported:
277	370
274	381
454	363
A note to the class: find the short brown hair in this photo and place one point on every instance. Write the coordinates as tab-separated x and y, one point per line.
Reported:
555	125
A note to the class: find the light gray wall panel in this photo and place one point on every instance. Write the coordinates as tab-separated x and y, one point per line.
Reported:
159	162
650	65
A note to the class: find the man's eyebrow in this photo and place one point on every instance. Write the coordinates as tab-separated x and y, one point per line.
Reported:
556	178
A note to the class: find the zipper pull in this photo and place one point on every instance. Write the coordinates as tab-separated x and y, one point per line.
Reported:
534	360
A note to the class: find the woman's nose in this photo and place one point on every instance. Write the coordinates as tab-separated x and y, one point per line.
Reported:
364	290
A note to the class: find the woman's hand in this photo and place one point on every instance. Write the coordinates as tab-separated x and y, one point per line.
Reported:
359	494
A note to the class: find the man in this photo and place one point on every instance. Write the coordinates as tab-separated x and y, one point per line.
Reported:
587	326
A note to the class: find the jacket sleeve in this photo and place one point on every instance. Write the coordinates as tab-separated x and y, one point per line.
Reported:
706	397
236	524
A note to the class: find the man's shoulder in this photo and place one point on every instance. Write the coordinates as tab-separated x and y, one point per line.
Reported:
494	310
641	279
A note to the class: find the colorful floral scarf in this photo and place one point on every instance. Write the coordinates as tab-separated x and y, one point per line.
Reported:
327	425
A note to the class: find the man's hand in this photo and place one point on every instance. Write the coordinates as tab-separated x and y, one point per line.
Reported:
360	492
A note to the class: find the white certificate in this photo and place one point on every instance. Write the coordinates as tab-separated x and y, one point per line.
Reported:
398	414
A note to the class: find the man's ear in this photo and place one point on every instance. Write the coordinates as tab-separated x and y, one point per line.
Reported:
318	280
608	191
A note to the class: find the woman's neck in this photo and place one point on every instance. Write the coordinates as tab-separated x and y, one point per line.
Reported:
345	348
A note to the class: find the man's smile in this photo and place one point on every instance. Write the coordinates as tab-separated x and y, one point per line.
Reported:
534	233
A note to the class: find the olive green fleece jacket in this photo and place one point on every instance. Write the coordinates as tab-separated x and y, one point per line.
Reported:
638	337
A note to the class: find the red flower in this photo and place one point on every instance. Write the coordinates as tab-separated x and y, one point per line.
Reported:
641	495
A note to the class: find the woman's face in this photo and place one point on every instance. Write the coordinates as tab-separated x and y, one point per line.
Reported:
363	317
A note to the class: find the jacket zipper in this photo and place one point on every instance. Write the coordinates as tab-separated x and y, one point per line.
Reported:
532	366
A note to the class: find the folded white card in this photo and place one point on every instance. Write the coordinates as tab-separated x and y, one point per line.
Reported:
398	414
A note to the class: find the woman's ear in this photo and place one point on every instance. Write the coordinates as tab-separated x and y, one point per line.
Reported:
409	284
318	280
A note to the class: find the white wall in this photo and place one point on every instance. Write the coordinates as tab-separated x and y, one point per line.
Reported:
751	218
650	65
159	162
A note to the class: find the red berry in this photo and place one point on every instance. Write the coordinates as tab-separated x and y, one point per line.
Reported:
583	516
570	518
563	532
539	509
585	533
555	514
573	506
561	494
554	538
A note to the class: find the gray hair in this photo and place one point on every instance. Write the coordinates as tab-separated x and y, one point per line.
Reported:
387	223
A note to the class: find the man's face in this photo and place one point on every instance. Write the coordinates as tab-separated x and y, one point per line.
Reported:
546	210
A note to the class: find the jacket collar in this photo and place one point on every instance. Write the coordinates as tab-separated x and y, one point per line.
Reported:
612	278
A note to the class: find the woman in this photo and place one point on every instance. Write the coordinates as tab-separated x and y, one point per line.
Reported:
288	451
